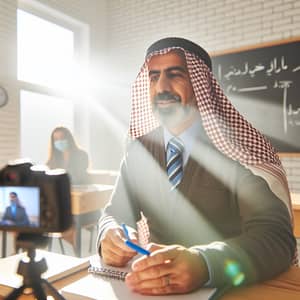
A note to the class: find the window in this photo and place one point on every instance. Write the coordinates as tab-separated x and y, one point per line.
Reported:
50	45
45	51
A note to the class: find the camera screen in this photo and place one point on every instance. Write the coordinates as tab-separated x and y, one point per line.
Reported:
19	206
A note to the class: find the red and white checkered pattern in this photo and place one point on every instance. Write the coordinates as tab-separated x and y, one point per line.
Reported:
227	128
143	231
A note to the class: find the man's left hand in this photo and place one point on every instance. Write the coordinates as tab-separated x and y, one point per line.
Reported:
168	270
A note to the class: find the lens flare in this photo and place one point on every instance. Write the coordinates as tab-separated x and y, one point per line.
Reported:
232	269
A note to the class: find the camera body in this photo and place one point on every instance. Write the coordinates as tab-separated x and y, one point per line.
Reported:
41	199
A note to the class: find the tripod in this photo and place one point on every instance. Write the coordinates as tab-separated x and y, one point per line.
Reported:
31	270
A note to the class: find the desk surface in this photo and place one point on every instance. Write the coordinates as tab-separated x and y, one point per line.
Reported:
295	200
285	286
296	212
57	285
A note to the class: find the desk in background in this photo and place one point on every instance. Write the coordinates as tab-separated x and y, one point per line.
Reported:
102	176
296	213
87	204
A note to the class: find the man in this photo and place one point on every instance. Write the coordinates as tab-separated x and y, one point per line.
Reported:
15	214
218	210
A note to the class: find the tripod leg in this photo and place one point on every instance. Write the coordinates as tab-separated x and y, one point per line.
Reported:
52	291
38	291
14	294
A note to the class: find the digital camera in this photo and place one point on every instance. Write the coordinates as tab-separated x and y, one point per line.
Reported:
34	199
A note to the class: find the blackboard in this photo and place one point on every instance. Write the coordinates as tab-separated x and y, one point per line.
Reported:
263	83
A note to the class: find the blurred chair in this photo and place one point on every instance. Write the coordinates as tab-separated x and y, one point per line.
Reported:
58	236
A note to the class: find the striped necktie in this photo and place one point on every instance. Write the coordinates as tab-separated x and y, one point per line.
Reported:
174	161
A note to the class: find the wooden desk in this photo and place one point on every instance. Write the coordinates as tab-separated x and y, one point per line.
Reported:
87	203
296	213
57	285
284	286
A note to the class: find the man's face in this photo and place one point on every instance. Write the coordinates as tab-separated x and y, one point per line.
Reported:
171	92
13	198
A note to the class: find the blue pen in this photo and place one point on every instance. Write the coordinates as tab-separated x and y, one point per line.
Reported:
125	231
133	246
137	248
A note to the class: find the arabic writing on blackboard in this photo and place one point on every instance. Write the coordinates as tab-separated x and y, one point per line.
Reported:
268	75
291	115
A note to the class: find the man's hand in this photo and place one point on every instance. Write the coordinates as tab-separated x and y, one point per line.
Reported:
168	270
113	249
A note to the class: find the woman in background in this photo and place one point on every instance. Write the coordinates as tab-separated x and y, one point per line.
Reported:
64	153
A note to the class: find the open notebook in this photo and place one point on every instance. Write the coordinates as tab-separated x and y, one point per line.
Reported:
98	267
106	282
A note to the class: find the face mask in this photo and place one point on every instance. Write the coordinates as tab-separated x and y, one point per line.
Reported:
61	145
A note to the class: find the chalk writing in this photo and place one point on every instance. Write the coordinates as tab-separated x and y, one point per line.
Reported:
273	68
264	84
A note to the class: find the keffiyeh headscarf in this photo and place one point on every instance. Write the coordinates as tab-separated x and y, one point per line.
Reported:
225	126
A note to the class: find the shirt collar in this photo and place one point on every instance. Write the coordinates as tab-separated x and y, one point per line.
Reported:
187	137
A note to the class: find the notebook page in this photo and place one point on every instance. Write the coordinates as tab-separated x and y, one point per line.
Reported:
104	287
93	287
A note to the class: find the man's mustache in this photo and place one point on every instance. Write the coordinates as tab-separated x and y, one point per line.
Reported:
166	96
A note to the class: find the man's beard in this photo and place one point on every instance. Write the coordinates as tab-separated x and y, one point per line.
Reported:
173	114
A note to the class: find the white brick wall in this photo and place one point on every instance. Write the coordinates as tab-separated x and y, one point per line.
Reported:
215	24
292	167
9	122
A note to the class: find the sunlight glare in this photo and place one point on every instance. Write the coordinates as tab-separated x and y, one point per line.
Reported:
45	51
